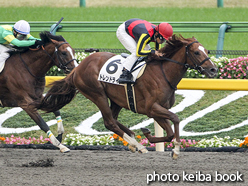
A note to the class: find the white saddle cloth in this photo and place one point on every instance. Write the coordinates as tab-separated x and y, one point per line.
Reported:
112	69
2	66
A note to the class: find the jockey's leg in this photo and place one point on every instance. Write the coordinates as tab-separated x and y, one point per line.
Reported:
3	56
130	44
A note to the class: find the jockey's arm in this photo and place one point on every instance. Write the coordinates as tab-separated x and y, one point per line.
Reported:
142	42
10	39
22	43
30	37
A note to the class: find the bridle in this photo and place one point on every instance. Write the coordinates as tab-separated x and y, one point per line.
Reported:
196	66
61	65
189	55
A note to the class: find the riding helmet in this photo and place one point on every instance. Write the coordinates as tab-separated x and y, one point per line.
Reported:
165	29
22	27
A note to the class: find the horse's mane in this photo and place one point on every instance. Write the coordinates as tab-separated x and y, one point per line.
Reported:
45	37
171	47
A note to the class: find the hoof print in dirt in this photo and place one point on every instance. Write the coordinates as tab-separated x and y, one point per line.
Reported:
40	163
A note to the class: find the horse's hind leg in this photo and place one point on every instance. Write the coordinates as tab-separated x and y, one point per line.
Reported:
115	112
60	125
43	126
110	122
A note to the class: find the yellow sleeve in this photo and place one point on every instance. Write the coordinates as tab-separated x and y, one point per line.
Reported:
142	42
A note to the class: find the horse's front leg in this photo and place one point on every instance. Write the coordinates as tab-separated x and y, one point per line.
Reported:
165	124
61	129
43	126
162	116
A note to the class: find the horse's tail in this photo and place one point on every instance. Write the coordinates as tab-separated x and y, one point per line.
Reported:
61	93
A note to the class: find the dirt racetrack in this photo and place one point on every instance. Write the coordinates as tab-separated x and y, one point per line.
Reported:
35	167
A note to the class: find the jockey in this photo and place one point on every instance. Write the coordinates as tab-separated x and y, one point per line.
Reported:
17	35
135	35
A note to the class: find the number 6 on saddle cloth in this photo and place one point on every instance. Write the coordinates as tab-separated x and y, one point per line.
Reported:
112	70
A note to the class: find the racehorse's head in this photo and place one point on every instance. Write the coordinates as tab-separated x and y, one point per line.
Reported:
196	56
63	56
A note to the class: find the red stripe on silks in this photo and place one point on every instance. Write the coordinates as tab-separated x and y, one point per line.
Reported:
147	25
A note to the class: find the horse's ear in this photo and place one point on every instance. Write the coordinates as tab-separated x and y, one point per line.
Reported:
54	41
194	38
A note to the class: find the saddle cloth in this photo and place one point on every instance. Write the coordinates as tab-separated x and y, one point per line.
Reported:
112	69
2	64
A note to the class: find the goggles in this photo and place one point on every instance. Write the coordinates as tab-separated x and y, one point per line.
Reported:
21	36
161	38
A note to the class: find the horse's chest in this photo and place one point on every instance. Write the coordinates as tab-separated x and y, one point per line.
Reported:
167	100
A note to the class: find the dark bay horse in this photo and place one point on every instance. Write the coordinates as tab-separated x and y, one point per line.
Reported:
22	81
154	90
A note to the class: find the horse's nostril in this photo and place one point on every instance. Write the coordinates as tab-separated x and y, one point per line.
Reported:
214	70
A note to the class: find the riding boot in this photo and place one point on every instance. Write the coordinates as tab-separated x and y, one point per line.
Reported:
126	77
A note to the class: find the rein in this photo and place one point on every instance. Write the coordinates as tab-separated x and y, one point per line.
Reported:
185	65
196	67
26	66
61	65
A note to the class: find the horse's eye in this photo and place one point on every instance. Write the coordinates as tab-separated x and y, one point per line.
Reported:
63	53
197	53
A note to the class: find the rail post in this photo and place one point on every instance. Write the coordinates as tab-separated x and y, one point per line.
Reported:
82	3
159	132
220	3
221	37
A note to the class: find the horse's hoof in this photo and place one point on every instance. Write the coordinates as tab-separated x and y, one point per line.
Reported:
174	155
143	151
132	148
64	149
145	130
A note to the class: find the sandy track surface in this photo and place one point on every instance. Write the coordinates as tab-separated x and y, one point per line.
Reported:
98	167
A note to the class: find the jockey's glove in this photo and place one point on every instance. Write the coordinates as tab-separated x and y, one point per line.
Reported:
38	42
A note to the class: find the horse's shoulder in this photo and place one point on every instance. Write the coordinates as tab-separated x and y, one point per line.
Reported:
15	50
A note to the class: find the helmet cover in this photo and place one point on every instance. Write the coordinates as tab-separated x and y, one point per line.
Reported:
165	29
22	27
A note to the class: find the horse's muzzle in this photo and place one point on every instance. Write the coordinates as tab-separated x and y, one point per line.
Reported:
211	72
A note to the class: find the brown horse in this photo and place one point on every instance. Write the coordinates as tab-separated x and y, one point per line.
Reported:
22	81
154	90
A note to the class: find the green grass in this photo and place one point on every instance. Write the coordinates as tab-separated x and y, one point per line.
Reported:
81	108
233	41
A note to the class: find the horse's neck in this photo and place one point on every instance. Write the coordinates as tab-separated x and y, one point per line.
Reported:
40	62
173	71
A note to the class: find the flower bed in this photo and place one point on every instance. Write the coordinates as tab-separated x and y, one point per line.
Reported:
236	68
23	141
116	143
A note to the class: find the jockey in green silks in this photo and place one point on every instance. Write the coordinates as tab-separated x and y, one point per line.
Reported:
17	35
